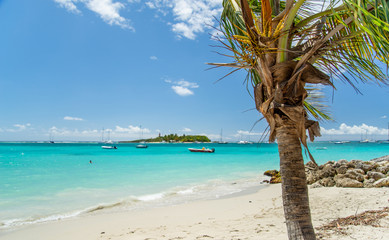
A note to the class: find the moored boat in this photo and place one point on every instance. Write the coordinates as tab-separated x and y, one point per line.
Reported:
109	147
206	150
141	145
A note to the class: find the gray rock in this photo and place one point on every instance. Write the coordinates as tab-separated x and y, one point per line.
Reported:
356	174
383	169
327	171
310	166
316	185
339	176
383	182
311	177
354	163
348	182
365	166
381	159
375	175
341	170
368	183
340	163
327	182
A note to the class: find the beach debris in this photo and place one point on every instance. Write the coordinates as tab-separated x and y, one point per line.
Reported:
204	236
367	218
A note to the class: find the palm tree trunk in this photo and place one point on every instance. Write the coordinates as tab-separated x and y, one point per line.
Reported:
294	185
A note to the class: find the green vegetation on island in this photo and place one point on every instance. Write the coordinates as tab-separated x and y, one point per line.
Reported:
173	138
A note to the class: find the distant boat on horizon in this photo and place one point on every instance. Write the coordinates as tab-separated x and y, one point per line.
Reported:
321	148
109	147
143	143
221	137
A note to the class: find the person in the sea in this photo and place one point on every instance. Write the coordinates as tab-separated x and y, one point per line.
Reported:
90	161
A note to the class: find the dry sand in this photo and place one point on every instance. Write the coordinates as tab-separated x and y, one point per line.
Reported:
252	216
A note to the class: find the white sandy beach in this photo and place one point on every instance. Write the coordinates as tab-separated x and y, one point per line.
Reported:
252	216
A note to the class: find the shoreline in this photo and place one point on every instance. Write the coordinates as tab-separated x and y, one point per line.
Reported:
256	215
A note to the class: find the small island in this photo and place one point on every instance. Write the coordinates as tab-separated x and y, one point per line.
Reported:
173	138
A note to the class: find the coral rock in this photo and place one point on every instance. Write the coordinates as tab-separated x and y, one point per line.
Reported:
348	182
375	175
383	182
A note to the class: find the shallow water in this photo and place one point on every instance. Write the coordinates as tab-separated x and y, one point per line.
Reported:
44	182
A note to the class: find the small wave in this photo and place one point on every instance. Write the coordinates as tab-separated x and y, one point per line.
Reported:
18	222
186	191
151	197
104	207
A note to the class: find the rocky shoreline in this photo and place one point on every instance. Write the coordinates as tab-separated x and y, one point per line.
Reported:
343	173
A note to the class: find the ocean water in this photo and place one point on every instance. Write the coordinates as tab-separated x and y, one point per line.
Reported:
42	182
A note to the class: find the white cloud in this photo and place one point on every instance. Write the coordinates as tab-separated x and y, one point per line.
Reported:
182	91
247	133
186	130
69	5
106	9
73	118
182	87
19	127
187	84
154	58
384	117
131	129
344	129
59	133
191	16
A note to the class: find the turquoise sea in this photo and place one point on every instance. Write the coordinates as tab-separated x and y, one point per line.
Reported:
42	182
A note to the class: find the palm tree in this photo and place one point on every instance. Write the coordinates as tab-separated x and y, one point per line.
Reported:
287	47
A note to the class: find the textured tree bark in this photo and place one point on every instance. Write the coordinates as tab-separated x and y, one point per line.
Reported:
294	186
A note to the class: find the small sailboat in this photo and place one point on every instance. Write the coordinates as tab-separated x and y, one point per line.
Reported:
143	143
221	138
51	139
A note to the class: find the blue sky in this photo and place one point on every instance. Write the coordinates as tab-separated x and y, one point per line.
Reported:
74	67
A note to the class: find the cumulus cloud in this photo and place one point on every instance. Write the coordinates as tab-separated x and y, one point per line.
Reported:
182	87
131	129
182	91
19	127
384	117
186	130
344	129
247	133
68	5
74	133
73	118
191	16
108	10
154	58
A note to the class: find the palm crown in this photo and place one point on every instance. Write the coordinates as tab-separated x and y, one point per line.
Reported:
286	44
